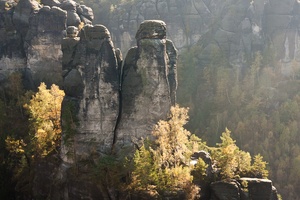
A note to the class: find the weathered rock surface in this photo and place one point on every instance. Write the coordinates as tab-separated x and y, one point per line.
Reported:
244	189
91	78
33	32
236	28
91	84
146	92
259	188
232	25
43	45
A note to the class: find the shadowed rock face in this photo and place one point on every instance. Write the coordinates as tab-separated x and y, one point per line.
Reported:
243	189
225	190
148	70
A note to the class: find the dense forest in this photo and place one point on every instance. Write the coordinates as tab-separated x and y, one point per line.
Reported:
258	103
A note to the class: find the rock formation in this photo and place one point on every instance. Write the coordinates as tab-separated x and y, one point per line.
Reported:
148	83
236	28
111	104
243	189
32	33
233	26
91	68
91	84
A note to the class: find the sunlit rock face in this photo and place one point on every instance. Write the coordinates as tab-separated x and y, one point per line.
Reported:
43	45
281	25
148	83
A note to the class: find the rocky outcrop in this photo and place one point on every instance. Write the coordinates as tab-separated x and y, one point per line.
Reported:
244	189
33	32
103	112
148	83
43	45
258	188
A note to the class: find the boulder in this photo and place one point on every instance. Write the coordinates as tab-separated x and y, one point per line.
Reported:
95	32
86	12
223	190
73	18
259	189
85	20
50	3
72	31
22	12
151	29
73	84
69	5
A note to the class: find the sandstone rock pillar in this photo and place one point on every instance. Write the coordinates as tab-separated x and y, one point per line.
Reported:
90	108
146	92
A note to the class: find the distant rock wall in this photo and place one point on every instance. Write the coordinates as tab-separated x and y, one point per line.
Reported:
231	25
236	28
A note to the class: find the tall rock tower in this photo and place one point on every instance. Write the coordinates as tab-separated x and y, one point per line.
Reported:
90	108
148	83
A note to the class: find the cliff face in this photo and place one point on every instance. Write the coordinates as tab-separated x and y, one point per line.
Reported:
237	28
31	34
231	25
